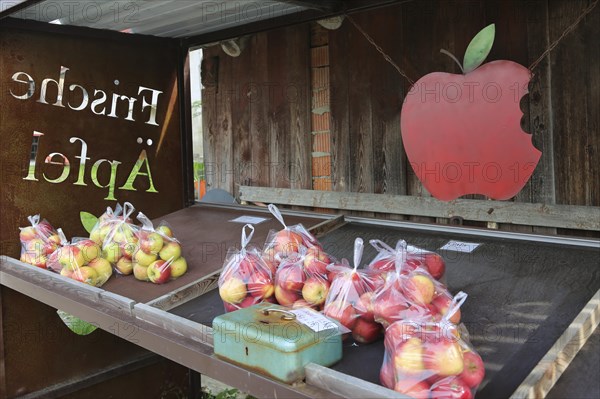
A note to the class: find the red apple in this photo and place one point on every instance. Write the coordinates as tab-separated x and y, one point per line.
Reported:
285	297
413	388
342	312
420	288
316	261
364	306
286	241
451	388
442	302
386	374
409	356
151	243
159	272
435	265
290	276
474	370
260	286
229	307
366	332
388	306
248	301
33	259
443	355
462	132
315	290
383	265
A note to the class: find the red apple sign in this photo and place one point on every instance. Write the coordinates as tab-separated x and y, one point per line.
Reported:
462	133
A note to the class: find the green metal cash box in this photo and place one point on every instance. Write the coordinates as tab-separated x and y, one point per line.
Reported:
277	341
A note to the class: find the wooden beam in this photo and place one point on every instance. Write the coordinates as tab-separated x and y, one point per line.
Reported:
545	374
559	216
17	7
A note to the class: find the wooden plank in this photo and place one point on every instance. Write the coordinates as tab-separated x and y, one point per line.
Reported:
2	353
209	72
186	293
339	47
563	216
327	225
298	91
259	115
174	324
345	385
543	377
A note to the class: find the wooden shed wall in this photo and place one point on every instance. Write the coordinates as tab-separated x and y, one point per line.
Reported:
257	108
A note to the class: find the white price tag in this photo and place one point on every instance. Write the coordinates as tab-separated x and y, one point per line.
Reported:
249	219
313	320
460	246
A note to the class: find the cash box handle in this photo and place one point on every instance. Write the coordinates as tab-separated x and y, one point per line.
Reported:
285	314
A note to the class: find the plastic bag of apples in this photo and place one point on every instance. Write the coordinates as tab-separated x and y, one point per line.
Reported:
350	299
409	291
411	256
431	359
116	235
157	257
38	241
246	278
81	260
291	240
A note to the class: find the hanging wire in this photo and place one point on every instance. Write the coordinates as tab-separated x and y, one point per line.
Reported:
565	33
568	30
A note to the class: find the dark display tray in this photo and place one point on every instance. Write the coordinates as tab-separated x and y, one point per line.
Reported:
523	294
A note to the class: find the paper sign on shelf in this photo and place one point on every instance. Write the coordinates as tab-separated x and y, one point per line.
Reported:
313	320
249	219
460	246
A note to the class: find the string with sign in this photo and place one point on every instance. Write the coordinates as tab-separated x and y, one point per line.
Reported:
551	47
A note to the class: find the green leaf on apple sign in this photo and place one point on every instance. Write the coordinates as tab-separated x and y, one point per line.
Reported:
479	48
75	324
88	221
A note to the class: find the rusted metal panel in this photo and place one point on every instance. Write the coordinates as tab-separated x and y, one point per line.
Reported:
115	90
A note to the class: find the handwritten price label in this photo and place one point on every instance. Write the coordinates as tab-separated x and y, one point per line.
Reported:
313	320
460	246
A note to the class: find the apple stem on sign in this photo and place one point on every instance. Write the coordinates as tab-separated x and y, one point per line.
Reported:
449	54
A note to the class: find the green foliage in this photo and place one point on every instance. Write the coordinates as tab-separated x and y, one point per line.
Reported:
88	221
198	171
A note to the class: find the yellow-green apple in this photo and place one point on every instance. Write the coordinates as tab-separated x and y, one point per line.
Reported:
386	374
50	247
143	258
435	264
124	234
111	252
291	277
178	267
315	290
316	261
71	257
170	251
151	243
259	286
366	332
129	249
233	290
409	356
27	233
140	272
341	311
420	288
442	303
165	231
286	241
413	387
159	272
85	274
451	388
285	297
124	266
444	356
54	238
89	249
66	272
35	246
34	259
103	268
474	370
96	236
